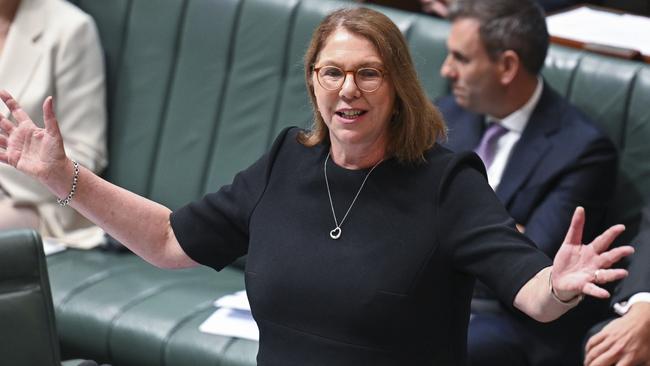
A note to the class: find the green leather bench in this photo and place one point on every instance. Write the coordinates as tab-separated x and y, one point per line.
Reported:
197	91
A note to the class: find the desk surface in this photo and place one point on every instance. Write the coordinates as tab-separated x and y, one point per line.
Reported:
602	30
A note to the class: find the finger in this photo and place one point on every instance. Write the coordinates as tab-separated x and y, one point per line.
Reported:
607	358
595	291
574	234
3	157
6	126
3	142
610	353
14	107
604	240
608	258
628	359
609	275
596	346
51	124
595	340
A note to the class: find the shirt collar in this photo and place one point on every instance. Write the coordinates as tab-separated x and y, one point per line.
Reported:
517	120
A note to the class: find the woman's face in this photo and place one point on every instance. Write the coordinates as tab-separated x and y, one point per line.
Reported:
355	118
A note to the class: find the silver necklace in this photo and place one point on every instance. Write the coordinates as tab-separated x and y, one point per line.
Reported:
336	232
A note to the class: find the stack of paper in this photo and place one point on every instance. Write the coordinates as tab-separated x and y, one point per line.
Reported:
233	318
593	25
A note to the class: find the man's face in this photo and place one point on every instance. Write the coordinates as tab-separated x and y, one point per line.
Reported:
474	76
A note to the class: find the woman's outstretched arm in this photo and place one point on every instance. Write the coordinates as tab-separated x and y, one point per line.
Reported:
140	224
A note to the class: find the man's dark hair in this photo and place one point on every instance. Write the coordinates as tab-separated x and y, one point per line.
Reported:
517	25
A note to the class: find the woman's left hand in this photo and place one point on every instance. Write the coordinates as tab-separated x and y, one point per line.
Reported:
580	269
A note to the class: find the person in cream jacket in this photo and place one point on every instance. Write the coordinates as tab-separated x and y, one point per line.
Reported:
50	47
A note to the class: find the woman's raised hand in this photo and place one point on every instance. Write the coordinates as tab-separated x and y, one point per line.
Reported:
35	151
580	269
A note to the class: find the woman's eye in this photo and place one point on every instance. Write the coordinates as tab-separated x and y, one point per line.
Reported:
369	73
332	72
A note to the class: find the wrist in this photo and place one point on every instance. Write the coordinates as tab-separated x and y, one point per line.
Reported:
60	177
73	187
640	308
563	297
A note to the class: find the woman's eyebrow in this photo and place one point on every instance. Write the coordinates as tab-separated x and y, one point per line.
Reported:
375	64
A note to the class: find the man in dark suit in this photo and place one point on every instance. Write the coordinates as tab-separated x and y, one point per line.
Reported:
543	158
626	339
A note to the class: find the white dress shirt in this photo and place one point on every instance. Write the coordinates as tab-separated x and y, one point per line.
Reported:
515	122
622	307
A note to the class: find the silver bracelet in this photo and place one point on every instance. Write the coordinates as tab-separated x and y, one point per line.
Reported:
572	302
64	202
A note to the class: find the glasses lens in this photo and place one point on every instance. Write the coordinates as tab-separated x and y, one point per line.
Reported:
368	79
331	77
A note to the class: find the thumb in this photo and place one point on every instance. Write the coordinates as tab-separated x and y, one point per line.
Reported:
51	124
574	234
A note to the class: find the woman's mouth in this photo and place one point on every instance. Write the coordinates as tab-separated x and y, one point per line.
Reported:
350	114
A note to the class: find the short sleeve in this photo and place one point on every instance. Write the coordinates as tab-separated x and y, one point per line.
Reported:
481	234
214	230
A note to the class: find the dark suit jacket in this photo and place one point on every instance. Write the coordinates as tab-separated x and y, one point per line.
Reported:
561	161
638	279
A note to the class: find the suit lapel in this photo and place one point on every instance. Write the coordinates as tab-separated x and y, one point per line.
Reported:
531	147
465	132
24	43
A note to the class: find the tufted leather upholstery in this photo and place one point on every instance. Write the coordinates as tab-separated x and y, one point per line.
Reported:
28	331
197	90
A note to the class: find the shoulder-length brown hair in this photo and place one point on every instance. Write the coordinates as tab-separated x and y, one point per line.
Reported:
416	124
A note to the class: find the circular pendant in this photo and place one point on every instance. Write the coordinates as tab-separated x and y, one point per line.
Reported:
336	233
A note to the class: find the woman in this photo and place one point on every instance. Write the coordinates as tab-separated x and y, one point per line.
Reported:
363	235
49	47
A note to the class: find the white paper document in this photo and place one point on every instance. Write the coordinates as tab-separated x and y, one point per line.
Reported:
590	25
51	246
238	301
233	318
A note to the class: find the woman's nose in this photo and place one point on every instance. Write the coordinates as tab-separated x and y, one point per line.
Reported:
349	89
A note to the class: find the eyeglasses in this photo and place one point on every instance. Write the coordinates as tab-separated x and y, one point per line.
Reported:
367	79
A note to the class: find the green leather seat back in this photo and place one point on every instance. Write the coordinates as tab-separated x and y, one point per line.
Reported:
257	75
560	67
145	71
189	130
111	18
294	107
601	88
27	326
423	34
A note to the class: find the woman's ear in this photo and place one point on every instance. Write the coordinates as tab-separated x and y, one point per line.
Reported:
509	66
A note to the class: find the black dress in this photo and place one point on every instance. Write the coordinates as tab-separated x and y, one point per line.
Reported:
394	289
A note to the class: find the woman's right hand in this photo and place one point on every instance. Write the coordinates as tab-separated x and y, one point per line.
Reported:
35	151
